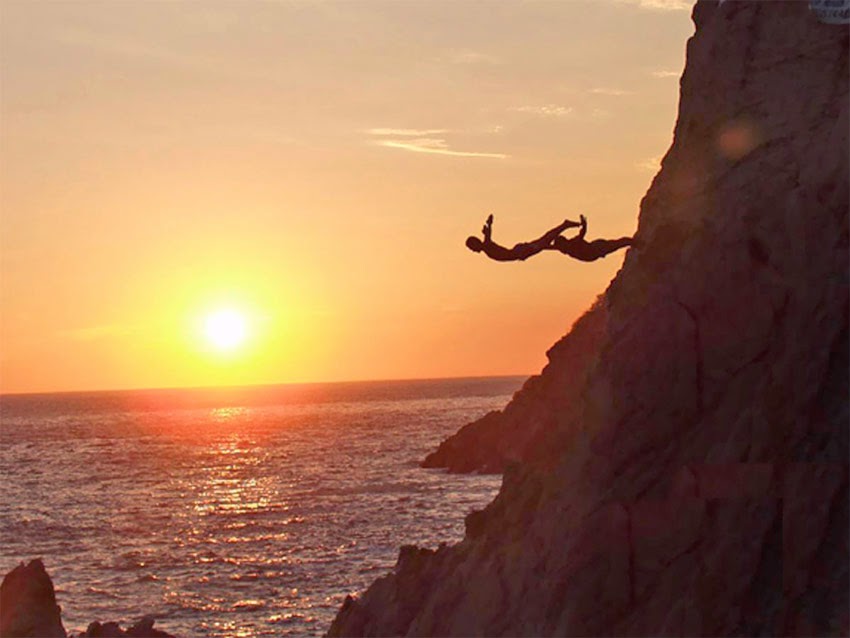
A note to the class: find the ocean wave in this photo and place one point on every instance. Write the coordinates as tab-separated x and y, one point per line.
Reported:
257	526
105	593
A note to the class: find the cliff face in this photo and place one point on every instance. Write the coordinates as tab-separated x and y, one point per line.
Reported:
755	89
682	461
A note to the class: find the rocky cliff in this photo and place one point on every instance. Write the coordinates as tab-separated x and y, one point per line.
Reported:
680	467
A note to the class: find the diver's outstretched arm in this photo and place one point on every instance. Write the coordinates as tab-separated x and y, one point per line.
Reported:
487	229
583	225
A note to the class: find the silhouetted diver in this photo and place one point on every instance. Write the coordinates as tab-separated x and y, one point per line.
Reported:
520	252
578	248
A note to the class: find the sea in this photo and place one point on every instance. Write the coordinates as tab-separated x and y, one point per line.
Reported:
234	511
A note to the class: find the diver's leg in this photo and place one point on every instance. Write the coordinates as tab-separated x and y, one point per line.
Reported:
601	247
521	252
543	242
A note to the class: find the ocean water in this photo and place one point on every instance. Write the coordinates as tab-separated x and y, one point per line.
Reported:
237	512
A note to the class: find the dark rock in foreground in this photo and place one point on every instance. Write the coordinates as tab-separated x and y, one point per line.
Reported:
28	603
522	431
142	629
680	468
28	609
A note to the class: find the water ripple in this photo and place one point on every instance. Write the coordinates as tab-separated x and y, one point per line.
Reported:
229	521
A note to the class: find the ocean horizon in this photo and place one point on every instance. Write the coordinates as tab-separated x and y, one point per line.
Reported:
309	390
246	511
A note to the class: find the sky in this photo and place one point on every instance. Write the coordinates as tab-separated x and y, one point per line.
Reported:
315	168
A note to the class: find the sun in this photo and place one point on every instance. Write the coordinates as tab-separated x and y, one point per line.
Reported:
225	329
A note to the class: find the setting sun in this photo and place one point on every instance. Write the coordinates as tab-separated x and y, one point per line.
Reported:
225	329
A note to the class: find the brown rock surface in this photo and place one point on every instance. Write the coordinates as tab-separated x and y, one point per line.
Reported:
680	467
28	609
28	603
142	629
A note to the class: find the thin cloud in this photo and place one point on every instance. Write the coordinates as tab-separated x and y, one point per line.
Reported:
665	74
407	132
435	146
129	48
546	110
473	57
94	333
614	92
660	5
111	44
650	164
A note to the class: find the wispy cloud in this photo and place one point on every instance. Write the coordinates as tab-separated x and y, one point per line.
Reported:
665	74
426	140
153	52
473	57
660	5
407	132
107	43
614	92
546	110
650	164
93	333
434	146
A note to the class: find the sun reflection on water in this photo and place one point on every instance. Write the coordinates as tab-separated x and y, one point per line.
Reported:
239	485
223	415
236	521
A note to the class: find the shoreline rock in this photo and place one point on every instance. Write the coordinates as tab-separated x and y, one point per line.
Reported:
523	430
28	609
144	628
28	603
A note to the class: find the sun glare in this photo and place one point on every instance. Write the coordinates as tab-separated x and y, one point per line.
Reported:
225	329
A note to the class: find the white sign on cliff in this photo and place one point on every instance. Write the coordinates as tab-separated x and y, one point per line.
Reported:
831	11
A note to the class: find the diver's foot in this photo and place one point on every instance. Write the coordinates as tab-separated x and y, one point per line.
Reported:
490	219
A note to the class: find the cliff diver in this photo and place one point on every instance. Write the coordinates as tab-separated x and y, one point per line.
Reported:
520	252
577	247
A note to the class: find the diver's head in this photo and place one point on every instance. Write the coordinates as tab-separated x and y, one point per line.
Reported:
474	244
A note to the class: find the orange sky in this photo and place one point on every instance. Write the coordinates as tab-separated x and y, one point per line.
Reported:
316	166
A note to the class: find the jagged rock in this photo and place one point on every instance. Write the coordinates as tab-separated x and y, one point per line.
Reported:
105	630
28	603
142	629
28	609
681	464
522	430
